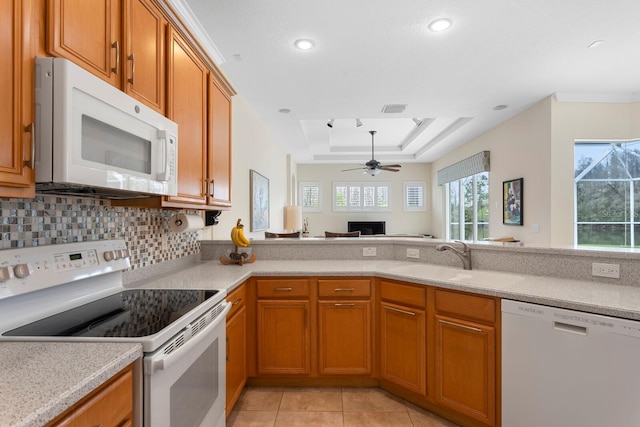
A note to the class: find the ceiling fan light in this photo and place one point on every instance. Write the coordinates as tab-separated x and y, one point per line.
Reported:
373	172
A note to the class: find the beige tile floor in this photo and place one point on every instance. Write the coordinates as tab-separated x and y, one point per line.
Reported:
312	407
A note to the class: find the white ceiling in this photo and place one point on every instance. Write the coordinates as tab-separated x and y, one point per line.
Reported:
370	53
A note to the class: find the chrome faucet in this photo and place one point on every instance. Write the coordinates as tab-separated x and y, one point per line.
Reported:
464	255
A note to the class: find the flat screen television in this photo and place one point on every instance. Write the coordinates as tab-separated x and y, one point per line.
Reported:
367	228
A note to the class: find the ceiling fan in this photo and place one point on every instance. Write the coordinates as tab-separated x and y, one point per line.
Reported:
374	167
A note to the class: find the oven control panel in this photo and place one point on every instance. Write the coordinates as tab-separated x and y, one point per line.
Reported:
30	269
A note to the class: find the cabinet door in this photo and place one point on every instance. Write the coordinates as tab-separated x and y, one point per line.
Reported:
219	167
465	368
236	356
144	61
18	35
87	33
344	329
403	358
284	337
187	106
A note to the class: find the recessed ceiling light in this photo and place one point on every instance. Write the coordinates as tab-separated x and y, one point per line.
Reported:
500	107
440	24
304	44
284	111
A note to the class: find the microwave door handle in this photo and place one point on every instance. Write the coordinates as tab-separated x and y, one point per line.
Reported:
161	361
164	175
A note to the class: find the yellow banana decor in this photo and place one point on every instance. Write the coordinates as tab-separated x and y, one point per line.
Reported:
239	240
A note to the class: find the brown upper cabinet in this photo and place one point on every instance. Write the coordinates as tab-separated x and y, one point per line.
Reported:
124	47
18	40
139	47
187	89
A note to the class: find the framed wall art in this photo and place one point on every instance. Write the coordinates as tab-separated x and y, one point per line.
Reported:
512	202
259	186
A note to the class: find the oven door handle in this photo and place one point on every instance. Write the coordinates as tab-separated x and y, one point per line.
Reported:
162	361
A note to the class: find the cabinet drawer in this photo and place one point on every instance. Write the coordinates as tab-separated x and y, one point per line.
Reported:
415	296
472	307
282	288
342	288
237	298
109	405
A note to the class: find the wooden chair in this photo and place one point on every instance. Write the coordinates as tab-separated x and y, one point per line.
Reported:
348	234
292	235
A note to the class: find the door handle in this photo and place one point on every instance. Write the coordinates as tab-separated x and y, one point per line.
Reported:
458	325
116	45
31	163
133	68
397	310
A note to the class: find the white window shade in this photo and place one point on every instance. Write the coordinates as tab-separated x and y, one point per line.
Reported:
470	166
414	196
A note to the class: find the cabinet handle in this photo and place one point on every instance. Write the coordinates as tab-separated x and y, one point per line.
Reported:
211	187
397	310
458	325
236	302
32	131
282	289
204	188
116	45
228	349
133	68
343	305
344	289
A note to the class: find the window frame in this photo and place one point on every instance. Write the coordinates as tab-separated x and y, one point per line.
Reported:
361	185
422	185
301	189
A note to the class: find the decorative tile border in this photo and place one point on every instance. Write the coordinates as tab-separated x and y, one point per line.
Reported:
52	220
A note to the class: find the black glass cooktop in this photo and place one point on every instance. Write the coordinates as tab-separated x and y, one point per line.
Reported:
131	313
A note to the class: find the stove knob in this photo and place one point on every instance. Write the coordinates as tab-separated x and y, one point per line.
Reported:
22	270
6	273
109	255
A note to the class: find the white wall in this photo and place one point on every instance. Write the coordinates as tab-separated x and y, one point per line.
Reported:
253	148
537	145
397	221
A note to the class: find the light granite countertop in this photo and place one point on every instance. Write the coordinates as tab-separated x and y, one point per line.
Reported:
40	380
589	296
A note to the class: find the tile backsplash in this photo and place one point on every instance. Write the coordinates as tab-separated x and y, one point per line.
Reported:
52	220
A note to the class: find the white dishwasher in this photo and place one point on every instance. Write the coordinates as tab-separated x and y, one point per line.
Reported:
563	368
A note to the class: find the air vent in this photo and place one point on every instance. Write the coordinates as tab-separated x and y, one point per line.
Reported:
394	108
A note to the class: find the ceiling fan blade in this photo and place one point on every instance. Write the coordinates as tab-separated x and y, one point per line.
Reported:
391	166
384	168
353	169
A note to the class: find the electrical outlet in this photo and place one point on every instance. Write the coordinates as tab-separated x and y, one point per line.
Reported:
413	253
605	270
368	251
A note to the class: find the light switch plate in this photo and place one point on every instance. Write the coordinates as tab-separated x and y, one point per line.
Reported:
369	251
413	253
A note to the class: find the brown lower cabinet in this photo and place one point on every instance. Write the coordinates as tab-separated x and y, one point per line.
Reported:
437	348
236	346
111	405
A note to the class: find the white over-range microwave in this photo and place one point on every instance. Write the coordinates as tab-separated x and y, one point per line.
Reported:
94	140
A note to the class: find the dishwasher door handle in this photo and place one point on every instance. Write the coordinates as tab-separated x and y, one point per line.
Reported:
572	329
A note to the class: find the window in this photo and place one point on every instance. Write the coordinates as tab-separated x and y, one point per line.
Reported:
414	196
607	193
468	208
311	196
361	196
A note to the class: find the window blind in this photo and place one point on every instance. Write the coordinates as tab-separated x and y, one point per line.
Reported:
464	168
